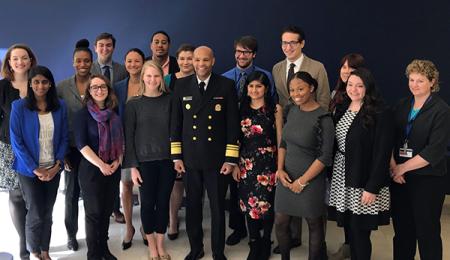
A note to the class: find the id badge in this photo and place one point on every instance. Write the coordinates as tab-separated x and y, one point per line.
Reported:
405	152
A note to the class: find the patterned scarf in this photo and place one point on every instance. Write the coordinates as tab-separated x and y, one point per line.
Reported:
110	132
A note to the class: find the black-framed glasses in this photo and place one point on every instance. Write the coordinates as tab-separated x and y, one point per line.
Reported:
102	87
291	43
243	52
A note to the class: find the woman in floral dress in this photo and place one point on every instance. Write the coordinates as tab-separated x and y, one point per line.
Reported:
261	123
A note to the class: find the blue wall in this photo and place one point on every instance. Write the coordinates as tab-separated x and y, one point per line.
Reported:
387	33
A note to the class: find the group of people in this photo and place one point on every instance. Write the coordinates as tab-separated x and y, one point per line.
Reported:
284	145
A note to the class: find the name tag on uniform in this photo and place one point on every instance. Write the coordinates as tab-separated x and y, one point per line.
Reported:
405	152
187	98
218	98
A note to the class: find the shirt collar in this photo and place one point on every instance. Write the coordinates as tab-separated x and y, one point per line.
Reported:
206	80
247	70
298	62
106	64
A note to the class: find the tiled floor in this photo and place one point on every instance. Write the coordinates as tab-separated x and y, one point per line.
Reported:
381	239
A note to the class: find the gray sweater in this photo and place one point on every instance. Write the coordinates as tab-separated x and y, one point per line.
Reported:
147	127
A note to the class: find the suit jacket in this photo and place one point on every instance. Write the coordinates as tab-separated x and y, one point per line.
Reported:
429	134
67	90
24	127
313	67
368	151
205	129
119	72
121	91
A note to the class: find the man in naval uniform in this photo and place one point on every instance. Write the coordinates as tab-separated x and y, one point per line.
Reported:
204	134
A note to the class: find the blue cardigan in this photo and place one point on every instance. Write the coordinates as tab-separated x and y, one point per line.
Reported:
24	130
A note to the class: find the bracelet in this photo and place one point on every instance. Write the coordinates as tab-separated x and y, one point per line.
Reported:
302	185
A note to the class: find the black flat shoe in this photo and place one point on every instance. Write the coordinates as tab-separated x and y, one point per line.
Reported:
144	237
72	244
235	238
126	245
174	235
294	244
195	255
108	256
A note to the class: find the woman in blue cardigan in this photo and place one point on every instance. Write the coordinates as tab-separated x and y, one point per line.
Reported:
38	128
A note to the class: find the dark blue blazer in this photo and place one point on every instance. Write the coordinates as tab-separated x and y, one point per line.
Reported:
121	90
24	130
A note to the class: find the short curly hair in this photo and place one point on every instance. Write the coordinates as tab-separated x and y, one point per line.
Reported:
426	68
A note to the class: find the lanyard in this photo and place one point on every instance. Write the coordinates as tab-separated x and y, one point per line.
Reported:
411	119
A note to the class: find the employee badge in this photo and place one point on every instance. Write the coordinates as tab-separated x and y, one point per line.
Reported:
218	107
405	152
188	106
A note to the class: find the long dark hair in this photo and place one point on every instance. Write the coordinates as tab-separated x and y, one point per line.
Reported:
372	101
246	100
354	61
51	97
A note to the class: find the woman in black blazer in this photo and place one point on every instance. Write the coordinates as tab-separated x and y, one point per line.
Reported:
359	196
418	165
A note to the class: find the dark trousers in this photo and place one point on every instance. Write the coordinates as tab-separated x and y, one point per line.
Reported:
416	213
360	244
158	178
98	193
72	193
215	184
18	212
236	219
40	197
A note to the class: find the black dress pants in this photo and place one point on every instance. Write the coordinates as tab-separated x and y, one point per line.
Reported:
40	197
158	178
416	215
72	193
18	212
360	244
215	183
98	193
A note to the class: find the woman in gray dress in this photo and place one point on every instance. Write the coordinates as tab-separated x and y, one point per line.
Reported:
305	150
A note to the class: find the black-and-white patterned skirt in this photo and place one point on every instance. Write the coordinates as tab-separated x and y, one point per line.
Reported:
8	177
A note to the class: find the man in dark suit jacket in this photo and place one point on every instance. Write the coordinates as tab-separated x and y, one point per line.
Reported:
204	134
104	47
160	45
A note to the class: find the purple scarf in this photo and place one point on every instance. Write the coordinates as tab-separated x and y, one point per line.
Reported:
110	132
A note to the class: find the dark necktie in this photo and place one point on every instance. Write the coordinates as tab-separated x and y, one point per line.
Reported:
201	88
106	72
242	83
290	72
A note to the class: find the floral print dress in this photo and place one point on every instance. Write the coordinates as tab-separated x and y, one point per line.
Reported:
257	162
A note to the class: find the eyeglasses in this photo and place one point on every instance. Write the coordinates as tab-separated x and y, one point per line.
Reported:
102	87
245	53
291	43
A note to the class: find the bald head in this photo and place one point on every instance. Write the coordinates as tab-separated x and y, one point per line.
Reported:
203	62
